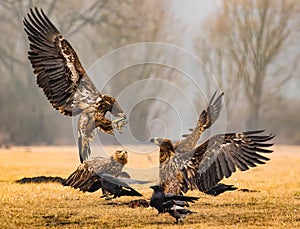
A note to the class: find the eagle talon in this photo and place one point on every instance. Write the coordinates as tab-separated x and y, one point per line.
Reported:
119	123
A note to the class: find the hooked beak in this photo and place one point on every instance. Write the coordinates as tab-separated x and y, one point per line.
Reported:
123	153
155	141
117	111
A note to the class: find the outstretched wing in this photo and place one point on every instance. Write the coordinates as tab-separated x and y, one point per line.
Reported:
118	186
57	66
85	177
170	196
125	182
205	120
219	157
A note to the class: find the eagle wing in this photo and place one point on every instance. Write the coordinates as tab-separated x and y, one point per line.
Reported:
205	120
219	157
57	66
85	176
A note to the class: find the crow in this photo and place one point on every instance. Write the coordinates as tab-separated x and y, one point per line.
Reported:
171	203
113	187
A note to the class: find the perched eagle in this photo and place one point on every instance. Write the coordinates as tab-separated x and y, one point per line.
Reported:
86	177
65	82
173	204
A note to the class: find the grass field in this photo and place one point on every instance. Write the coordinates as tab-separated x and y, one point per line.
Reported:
274	200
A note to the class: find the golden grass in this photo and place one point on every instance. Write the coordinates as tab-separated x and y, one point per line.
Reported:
276	204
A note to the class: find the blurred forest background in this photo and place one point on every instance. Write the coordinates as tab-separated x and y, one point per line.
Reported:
251	47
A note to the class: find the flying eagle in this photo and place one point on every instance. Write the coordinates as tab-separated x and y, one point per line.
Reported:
206	165
86	176
65	82
173	204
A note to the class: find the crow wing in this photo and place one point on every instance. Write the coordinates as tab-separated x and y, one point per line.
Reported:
219	157
170	196
118	186
57	67
205	120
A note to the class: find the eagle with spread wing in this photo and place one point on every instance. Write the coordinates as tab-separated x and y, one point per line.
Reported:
216	158
102	172
65	82
183	166
86	178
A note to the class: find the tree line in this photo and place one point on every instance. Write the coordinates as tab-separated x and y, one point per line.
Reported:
250	47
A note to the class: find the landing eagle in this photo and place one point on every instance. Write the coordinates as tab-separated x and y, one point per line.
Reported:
65	82
204	166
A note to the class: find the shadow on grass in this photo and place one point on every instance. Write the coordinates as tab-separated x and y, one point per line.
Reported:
40	179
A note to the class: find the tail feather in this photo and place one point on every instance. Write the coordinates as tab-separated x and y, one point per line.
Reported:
219	189
130	192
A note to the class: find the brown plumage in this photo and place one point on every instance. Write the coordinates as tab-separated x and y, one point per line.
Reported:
65	82
86	177
207	117
206	165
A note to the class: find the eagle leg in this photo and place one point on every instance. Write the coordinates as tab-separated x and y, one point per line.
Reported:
119	123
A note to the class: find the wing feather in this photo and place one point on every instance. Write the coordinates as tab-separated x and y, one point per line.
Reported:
56	65
205	120
219	157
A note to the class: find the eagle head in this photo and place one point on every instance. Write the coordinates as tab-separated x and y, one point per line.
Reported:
107	103
166	148
121	156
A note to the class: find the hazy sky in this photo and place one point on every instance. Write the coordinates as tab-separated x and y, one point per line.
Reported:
192	13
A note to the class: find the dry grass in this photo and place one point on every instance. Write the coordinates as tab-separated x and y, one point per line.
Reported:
276	204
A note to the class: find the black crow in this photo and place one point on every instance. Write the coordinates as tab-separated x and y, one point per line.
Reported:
113	187
170	203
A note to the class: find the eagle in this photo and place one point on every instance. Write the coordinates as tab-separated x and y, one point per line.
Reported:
218	157
171	203
105	173
86	177
65	82
184	166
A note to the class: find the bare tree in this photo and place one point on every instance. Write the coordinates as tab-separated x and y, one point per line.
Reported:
93	28
248	49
